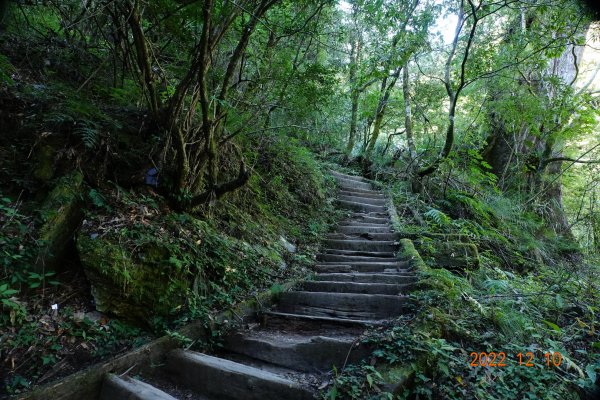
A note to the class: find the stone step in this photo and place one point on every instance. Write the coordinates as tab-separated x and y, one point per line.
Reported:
343	305
361	229
342	259
311	323
342	268
126	388
362	266
361	245
364	219
229	380
354	287
365	224
307	353
362	193
370	214
349	184
363	200
341	175
357	206
358	253
364	236
390	278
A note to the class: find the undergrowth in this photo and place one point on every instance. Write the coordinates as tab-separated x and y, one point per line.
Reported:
526	296
153	269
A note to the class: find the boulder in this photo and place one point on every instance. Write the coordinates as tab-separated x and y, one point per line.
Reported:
44	163
134	286
450	254
61	214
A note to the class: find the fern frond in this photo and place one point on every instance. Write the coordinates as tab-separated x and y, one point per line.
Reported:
89	134
438	217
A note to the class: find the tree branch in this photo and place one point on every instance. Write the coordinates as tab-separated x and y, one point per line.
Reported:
217	191
573	160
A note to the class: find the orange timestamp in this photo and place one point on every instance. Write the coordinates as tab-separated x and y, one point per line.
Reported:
499	359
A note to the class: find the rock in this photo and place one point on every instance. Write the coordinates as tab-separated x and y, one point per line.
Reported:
398	379
92	316
61	214
287	245
44	163
132	286
450	254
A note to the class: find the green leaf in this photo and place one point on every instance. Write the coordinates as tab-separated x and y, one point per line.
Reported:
333	393
590	370
559	301
552	325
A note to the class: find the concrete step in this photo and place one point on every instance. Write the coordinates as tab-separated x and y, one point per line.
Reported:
389	278
342	268
363	229
364	236
357	206
343	305
229	380
354	287
312	323
363	200
341	175
341	259
370	214
364	219
363	224
350	184
361	266
359	253
307	353
361	245
126	388
362	193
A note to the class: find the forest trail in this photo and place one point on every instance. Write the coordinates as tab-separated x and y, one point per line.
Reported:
359	282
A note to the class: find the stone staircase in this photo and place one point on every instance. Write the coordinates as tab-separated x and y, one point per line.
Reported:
359	281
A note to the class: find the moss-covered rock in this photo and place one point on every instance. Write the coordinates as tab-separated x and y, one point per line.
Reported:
398	379
130	285
448	253
61	214
43	169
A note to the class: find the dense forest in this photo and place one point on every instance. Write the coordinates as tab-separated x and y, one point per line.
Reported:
163	160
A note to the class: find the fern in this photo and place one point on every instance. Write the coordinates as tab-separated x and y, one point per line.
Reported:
89	133
58	118
495	285
438	217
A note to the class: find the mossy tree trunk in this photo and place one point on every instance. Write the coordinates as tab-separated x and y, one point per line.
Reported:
196	142
355	55
387	84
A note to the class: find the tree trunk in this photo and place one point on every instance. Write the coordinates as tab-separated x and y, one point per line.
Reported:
354	91
386	90
408	114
